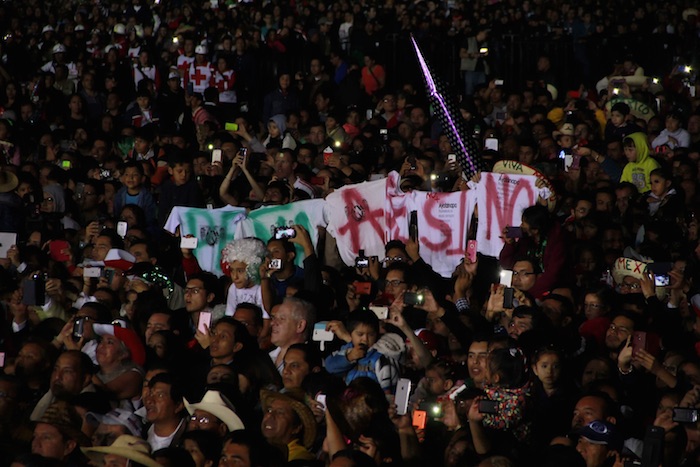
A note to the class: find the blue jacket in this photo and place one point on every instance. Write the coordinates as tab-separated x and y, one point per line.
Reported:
374	365
144	200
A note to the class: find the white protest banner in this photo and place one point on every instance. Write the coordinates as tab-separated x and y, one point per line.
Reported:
213	227
262	222
356	219
443	223
501	199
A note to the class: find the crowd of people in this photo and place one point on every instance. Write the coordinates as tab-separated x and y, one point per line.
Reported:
578	345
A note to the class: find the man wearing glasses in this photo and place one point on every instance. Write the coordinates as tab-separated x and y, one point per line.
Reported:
201	294
525	274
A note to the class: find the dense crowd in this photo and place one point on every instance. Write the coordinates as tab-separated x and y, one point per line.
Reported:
578	345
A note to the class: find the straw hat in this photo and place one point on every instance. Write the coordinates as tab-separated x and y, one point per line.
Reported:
65	419
628	267
130	447
295	400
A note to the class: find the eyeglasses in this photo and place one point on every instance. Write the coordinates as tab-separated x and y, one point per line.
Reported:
595	306
47	200
523	273
395	283
618	329
193	290
390	259
634	286
201	419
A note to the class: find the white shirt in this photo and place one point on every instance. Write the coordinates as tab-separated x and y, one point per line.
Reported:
250	295
160	442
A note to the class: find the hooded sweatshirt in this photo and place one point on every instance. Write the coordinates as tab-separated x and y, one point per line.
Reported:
287	140
638	172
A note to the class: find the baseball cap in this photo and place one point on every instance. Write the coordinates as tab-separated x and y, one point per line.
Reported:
599	432
127	336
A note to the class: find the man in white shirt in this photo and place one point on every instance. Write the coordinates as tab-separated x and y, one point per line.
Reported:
164	408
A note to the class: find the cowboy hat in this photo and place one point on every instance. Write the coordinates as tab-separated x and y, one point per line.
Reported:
566	129
295	400
130	447
217	405
8	181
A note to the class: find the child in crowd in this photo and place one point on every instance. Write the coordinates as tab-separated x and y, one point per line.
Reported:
639	162
135	192
181	189
359	358
507	388
664	202
242	261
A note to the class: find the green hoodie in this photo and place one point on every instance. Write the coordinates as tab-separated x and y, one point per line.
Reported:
638	172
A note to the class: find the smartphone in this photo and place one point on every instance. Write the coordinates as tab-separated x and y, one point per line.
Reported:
413	226
244	152
231	126
284	233
108	274
488	406
433	409
361	261
275	264
506	278
419	419
662	281
685	415
369	114
413	298
78	328
403	392
122	227
59	250
204	321
452	158
7	239
2	359
216	156
653	450
189	243
491	143
576	162
318	181
508	297
92	271
363	288
321	399
483	50
382	312
498	82
514	232
320	334
66	165
34	290
471	251
639	341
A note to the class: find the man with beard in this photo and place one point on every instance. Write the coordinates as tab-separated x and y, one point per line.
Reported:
72	375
